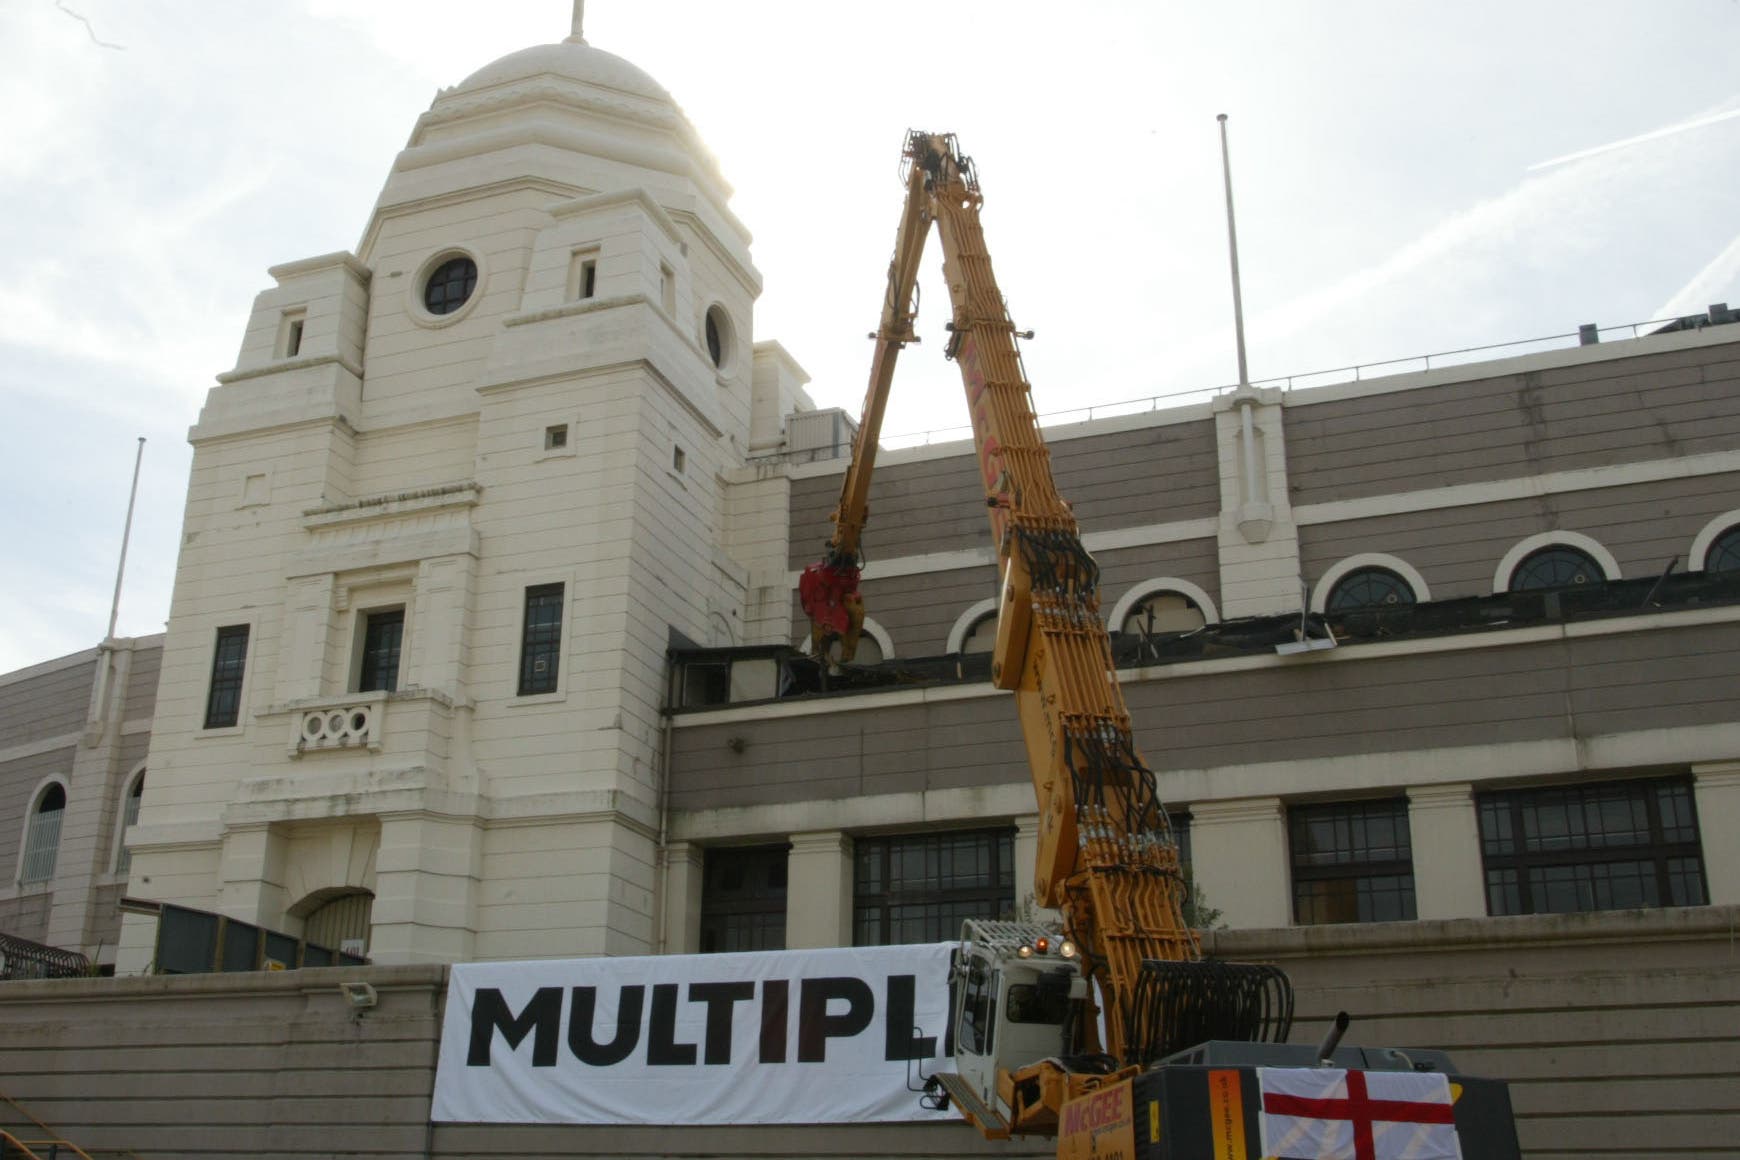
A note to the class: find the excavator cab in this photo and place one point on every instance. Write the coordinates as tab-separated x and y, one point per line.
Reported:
1016	995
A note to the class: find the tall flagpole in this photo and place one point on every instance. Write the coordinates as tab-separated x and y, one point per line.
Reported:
1232	241
126	534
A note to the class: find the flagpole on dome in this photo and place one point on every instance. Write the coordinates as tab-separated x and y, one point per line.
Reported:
577	36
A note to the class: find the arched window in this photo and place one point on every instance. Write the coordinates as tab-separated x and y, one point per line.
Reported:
982	636
1556	566
1369	588
1724	552
1162	614
129	816
338	919
42	835
869	651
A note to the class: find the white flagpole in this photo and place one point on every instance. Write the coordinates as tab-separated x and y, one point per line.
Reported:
1232	241
126	534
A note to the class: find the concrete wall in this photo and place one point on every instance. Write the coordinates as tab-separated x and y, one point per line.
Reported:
1616	1031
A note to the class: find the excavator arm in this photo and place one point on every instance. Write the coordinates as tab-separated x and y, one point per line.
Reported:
828	589
1107	857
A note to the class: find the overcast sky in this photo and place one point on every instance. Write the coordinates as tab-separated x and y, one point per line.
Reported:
1410	178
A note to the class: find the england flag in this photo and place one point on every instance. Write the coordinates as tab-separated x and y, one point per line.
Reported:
1329	1114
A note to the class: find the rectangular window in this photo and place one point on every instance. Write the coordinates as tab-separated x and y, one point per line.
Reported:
916	888
290	333
667	289
1352	862
743	899
383	636
541	641
223	703
556	437
582	274
1607	846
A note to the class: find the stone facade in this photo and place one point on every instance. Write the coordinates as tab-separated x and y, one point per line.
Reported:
551	426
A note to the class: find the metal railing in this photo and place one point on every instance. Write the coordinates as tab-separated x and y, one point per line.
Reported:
1354	372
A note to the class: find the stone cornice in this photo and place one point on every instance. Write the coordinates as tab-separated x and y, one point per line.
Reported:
283	365
634	195
1434	936
340	259
392	505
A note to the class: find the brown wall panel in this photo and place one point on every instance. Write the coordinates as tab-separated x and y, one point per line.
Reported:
142	684
900	749
1627	410
1456	550
1560	688
1121	479
919	610
50	705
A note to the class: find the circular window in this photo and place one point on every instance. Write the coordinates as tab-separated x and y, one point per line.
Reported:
1724	553
717	329
450	285
1368	588
1556	567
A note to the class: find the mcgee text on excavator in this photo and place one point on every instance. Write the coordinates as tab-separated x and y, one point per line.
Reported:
1054	1033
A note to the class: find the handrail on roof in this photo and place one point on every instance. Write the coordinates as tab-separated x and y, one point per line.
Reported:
1289	382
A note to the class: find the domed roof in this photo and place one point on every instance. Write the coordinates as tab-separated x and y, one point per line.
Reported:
572	59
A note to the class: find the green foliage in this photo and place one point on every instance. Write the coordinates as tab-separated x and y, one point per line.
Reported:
1198	914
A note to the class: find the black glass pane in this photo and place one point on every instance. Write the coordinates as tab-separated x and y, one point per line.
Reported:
1557	567
450	285
1369	588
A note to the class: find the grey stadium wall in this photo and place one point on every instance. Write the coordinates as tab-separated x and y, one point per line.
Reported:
1616	1030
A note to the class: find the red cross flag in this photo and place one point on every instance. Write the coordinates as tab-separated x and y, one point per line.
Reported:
1328	1114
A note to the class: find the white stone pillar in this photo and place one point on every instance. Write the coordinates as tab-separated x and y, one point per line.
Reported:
426	874
308	615
442	613
251	875
681	920
1717	788
818	893
1444	830
1238	853
1258	541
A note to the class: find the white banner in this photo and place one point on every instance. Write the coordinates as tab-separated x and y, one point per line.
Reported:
765	1037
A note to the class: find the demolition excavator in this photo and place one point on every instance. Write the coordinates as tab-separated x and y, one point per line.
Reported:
1074	1033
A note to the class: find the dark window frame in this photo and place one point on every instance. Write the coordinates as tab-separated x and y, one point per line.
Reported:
884	913
1520	880
541	639
1370	587
743	898
229	669
380	650
1723	554
450	285
1377	879
1565	561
